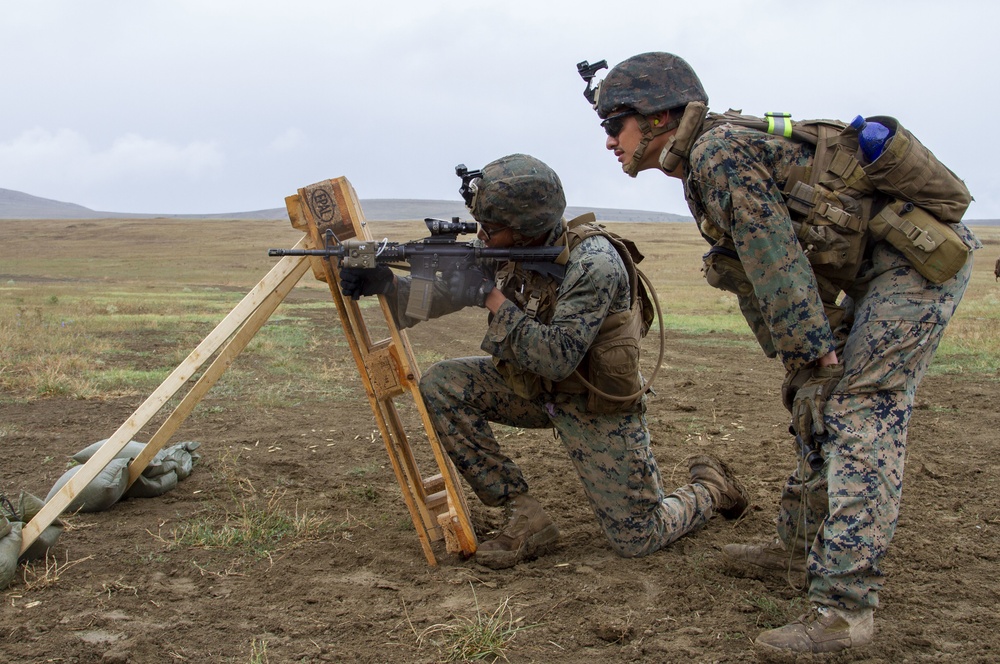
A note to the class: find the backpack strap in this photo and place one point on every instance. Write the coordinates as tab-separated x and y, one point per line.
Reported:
572	225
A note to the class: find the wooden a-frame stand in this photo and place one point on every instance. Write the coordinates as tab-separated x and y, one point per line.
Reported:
387	367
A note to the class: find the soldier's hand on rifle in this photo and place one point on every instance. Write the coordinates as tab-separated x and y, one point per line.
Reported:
810	398
469	288
355	282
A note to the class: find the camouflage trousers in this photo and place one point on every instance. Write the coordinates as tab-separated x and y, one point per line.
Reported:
845	514
611	453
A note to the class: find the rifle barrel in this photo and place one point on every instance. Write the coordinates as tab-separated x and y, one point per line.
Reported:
394	251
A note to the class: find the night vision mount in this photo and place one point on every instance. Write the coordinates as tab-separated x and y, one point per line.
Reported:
468	189
587	72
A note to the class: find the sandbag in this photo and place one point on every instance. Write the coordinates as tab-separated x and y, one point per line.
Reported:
5	526
130	451
102	492
28	506
170	465
179	458
10	549
151	487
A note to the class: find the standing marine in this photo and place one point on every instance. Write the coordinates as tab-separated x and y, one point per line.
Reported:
562	354
847	263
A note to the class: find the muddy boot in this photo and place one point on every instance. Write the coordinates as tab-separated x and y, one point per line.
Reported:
729	498
823	629
773	556
528	530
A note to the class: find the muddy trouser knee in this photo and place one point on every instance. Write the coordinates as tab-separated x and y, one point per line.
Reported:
846	513
462	397
612	456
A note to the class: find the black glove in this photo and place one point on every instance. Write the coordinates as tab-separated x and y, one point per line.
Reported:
469	288
356	281
810	398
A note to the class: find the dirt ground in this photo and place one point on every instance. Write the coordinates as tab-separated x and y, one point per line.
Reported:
362	591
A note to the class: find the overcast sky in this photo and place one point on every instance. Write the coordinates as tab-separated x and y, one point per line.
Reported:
207	106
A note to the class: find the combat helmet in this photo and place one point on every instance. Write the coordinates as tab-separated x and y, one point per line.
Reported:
648	83
518	191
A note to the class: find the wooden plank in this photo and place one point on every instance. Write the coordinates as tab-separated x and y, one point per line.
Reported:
174	382
222	362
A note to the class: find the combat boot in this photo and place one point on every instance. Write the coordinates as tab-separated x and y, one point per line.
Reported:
773	556
729	498
824	629
528	530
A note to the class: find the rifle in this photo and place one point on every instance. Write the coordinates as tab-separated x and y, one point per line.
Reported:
441	253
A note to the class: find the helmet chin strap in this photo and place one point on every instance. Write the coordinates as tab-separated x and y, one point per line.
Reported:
648	134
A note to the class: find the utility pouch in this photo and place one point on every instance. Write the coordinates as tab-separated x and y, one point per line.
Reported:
722	269
909	171
830	229
932	247
524	384
613	365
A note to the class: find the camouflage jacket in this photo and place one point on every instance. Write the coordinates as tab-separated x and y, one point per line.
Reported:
733	187
594	286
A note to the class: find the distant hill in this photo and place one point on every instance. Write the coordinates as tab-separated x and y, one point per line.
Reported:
18	205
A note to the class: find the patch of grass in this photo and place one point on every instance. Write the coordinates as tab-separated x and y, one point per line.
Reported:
362	471
258	652
61	378
770	613
251	528
483	637
124	381
365	492
257	524
425	358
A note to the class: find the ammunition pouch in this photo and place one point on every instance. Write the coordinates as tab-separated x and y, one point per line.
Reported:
723	270
933	248
830	227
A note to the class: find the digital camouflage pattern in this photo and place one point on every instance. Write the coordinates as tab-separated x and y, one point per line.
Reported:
786	300
845	514
853	504
521	192
649	83
611	452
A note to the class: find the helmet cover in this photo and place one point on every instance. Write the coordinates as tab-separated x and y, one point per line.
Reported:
649	83
521	192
